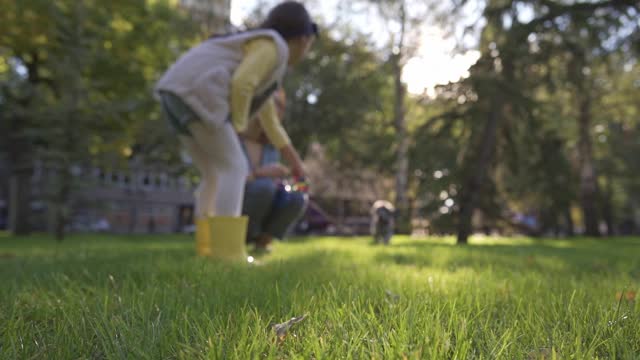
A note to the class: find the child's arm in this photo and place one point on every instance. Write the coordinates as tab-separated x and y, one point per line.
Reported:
292	158
254	152
272	170
260	58
278	137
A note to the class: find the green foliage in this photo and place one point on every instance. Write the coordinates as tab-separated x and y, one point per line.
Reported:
76	79
340	97
532	79
90	66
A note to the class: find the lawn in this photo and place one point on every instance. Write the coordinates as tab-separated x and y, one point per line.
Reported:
111	297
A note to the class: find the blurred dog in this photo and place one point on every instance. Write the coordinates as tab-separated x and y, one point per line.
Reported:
382	221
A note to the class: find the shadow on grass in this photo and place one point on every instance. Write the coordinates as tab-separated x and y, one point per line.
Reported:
169	268
579	256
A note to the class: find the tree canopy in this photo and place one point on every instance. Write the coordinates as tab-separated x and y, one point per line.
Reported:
541	137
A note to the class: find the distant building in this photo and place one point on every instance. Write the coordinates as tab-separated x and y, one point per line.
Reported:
135	200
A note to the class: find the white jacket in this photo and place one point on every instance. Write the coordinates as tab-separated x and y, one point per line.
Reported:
202	76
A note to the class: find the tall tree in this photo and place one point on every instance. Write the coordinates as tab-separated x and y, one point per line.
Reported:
87	71
501	112
340	98
404	19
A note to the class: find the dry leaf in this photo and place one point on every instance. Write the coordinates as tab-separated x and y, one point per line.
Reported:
541	354
505	290
283	329
392	296
531	260
629	295
112	280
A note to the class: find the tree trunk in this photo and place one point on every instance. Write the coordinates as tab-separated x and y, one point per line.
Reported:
60	220
75	91
479	172
588	179
402	154
569	222
400	125
61	206
20	172
19	202
607	209
20	157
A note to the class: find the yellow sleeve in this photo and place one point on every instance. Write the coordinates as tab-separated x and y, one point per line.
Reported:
260	59
272	126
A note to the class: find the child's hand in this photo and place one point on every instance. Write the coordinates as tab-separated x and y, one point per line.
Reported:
298	170
292	158
300	185
272	170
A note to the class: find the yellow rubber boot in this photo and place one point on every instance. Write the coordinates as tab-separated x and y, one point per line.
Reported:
229	237
203	237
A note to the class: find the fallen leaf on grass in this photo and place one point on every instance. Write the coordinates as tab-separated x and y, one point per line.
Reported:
599	266
282	329
392	296
629	295
7	256
505	289
531	260
542	354
112	280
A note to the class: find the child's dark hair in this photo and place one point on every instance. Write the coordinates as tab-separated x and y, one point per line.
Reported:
290	19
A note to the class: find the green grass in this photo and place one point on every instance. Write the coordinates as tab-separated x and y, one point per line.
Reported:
109	297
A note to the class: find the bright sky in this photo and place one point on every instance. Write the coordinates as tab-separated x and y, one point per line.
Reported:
435	63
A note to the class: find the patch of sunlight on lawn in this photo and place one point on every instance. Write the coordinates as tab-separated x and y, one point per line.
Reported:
151	297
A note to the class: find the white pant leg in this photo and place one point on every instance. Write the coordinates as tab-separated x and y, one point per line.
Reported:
206	191
223	166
